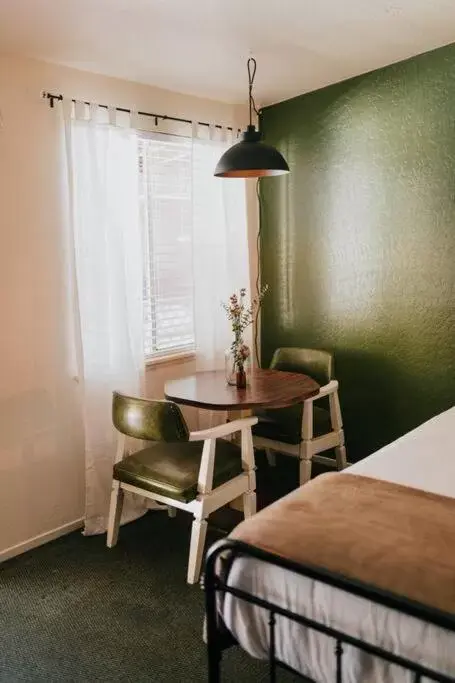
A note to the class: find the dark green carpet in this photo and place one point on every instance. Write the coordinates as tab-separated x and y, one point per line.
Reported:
74	610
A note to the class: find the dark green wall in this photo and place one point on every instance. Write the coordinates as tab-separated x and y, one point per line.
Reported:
358	242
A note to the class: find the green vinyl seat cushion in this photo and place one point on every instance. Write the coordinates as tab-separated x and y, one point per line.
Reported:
285	424
172	469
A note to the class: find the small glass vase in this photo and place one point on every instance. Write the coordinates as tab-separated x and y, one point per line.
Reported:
236	376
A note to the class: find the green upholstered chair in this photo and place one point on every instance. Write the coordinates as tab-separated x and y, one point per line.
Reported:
195	471
304	430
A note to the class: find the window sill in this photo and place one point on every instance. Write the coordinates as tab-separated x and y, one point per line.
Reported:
179	357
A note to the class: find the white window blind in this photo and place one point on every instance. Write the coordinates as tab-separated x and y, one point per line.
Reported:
165	171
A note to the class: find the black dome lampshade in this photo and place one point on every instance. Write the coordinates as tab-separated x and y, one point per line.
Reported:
251	158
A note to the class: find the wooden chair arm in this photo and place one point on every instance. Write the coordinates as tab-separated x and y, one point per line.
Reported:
326	390
223	429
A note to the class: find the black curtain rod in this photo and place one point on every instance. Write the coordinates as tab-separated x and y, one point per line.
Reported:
164	117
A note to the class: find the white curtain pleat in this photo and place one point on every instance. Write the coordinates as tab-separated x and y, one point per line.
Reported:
220	258
105	231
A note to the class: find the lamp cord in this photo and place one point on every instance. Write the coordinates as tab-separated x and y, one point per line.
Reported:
258	276
251	67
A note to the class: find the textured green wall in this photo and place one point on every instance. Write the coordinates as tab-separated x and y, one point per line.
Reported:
358	242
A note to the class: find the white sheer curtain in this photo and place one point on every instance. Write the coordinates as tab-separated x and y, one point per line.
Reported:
106	257
106	275
220	261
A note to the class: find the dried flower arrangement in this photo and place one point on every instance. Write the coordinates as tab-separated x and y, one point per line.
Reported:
240	315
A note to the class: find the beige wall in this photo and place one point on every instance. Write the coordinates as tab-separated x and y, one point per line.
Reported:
41	454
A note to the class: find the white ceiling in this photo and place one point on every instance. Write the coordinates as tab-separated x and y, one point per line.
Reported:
201	46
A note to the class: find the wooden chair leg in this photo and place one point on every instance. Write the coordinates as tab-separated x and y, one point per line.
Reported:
340	454
337	426
305	463
198	533
115	512
335	412
249	467
306	450
270	455
249	504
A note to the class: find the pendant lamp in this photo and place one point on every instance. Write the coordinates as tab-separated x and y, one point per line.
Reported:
251	158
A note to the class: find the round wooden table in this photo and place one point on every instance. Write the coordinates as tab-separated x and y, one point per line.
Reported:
266	388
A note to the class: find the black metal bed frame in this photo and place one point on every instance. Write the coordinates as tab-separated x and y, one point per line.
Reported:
215	582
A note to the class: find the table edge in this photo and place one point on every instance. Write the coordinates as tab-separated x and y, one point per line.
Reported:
247	405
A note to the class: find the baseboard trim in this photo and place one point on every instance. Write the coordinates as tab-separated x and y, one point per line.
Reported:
40	540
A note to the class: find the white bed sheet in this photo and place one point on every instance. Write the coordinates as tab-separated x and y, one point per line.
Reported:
423	458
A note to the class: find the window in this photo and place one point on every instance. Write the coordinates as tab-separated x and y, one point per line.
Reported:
165	172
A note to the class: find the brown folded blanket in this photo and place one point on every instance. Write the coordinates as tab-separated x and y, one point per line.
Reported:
387	535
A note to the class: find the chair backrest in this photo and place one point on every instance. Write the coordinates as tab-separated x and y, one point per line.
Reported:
148	419
316	363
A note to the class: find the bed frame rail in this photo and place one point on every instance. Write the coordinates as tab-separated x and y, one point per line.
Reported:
215	583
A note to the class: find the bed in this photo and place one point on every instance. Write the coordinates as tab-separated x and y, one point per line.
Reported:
311	615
